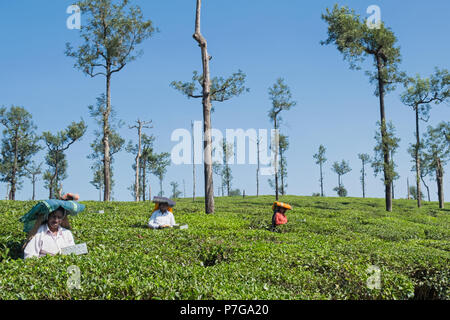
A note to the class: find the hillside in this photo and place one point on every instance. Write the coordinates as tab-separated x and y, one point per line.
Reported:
323	252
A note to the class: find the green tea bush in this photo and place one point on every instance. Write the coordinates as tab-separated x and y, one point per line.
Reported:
324	252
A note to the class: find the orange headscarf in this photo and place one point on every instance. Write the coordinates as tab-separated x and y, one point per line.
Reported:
282	205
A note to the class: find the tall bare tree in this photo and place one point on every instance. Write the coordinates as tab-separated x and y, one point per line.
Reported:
216	89
206	97
110	37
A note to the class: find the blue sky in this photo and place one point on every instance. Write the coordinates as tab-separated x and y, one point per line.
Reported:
266	39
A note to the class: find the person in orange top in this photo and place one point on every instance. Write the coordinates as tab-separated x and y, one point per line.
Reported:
280	217
279	213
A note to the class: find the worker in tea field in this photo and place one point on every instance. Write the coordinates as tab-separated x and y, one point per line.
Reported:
50	237
279	213
162	216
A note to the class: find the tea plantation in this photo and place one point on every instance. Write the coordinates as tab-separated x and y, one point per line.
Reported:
324	252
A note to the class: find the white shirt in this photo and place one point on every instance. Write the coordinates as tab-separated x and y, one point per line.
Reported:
158	219
44	242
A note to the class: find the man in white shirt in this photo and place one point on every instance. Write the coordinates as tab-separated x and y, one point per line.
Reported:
50	238
162	218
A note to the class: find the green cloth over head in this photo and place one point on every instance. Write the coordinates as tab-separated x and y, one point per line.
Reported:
44	208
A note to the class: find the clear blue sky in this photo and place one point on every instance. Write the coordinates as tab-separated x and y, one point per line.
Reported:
266	39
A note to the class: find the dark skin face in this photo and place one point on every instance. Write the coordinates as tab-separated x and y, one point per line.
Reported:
282	210
54	220
163	207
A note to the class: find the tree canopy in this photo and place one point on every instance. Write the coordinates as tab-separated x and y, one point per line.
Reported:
19	144
221	89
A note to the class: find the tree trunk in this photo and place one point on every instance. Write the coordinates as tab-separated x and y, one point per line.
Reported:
321	180
257	168
428	189
363	180
160	186
50	188
138	156
34	187
149	191
387	178
33	181
50	191
12	195
193	162
392	187
407	185
281	172
440	180
228	182
416	155
206	101
54	179
106	150
144	164
56	175
276	158
140	182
